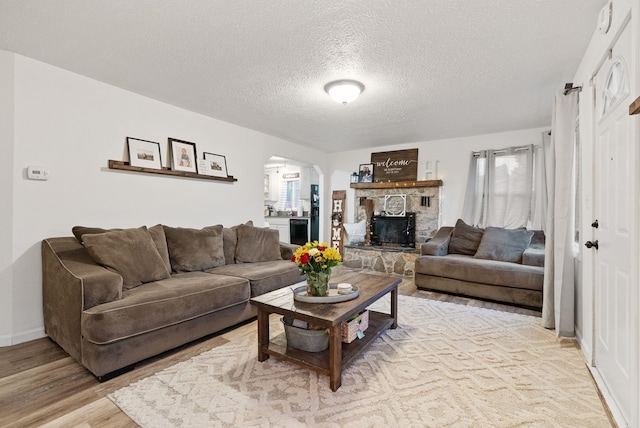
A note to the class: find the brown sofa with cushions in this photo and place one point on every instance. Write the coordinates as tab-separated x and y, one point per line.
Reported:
112	298
502	265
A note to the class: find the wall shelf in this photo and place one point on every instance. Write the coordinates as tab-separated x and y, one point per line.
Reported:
124	166
396	185
634	108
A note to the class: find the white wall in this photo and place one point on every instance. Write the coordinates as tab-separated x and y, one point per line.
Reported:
453	164
6	195
73	125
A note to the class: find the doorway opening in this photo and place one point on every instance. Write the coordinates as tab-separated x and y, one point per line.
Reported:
291	198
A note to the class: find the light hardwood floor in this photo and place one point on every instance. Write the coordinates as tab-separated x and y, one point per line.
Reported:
40	385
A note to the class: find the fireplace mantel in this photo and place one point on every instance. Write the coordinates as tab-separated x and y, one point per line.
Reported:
397	185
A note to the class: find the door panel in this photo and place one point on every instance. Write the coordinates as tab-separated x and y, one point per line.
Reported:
616	288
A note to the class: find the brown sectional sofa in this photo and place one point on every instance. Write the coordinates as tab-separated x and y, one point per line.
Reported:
496	264
112	298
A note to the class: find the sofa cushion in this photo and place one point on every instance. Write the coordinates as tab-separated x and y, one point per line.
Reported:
471	269
157	234
465	239
230	237
505	245
159	238
533	257
78	231
263	276
177	299
195	249
256	244
130	252
537	240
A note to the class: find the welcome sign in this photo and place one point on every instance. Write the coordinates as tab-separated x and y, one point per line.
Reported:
399	165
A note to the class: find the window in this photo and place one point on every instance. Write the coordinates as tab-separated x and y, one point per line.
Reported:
290	195
615	88
499	188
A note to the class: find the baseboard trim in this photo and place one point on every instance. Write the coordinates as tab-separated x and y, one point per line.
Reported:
610	406
25	336
585	347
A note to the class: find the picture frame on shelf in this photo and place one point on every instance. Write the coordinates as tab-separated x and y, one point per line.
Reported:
216	165
431	170
144	153
183	155
365	173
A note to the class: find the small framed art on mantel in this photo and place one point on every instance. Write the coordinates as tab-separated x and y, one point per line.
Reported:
183	155
365	174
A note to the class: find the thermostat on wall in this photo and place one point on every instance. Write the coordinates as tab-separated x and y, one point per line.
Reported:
37	173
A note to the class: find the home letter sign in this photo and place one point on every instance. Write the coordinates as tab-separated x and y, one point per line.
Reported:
337	215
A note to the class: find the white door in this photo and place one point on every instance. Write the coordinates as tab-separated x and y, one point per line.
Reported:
615	281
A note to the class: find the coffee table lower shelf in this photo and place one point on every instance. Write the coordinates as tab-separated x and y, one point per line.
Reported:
319	361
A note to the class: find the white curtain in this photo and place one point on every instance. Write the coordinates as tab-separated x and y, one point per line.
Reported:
499	188
539	198
558	292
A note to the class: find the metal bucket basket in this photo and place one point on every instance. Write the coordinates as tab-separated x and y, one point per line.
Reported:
305	339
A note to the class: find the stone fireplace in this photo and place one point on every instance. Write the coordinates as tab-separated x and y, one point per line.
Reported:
427	216
419	223
393	231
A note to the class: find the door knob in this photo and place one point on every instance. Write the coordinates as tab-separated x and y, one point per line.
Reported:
595	224
590	244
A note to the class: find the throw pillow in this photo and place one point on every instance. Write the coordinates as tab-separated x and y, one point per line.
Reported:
78	231
506	245
356	232
465	239
256	244
230	237
157	234
195	249
130	252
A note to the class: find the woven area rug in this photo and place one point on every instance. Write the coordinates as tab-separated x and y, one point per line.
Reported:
446	365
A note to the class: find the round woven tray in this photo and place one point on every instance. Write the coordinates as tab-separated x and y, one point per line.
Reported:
300	294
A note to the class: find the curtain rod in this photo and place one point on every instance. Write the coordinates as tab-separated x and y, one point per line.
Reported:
568	87
517	149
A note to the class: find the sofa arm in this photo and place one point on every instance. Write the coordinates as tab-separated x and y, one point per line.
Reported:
287	250
72	282
533	257
439	244
67	267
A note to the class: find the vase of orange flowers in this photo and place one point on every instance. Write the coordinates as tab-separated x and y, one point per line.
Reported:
315	260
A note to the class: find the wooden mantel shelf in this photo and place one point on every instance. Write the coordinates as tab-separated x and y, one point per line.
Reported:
399	184
634	108
124	166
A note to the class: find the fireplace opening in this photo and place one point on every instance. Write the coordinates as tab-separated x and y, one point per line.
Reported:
393	231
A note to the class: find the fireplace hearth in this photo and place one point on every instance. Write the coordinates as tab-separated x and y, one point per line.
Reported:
393	231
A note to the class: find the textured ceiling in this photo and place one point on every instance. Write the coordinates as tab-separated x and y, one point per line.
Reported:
432	68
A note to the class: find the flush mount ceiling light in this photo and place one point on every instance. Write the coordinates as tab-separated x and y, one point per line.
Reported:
344	91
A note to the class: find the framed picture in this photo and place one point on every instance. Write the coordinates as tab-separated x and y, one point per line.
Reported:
366	173
183	155
143	153
396	166
216	164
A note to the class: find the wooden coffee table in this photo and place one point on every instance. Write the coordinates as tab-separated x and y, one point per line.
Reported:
330	315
